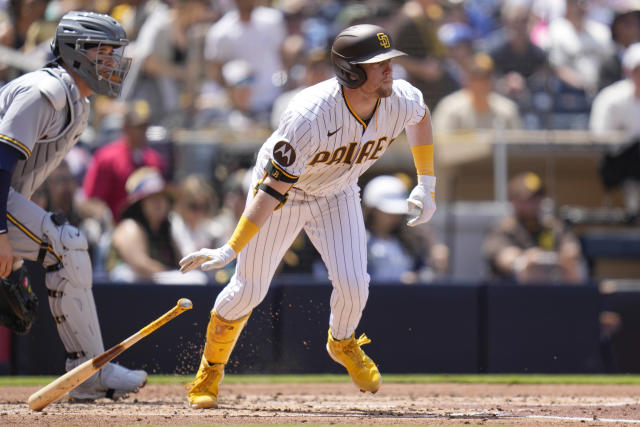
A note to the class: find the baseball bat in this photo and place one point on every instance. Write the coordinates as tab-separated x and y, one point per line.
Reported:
67	382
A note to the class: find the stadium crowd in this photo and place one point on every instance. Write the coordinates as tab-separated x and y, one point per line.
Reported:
230	67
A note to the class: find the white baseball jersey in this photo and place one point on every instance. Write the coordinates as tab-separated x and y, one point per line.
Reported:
322	142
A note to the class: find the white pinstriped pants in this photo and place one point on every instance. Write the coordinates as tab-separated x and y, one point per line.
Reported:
335	226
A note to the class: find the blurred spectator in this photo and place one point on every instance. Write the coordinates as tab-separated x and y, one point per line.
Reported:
625	30
143	247
231	106
578	46
316	69
532	245
254	34
167	61
457	37
132	14
521	67
234	198
22	26
416	34
396	253
192	225
61	195
617	109
477	106
112	164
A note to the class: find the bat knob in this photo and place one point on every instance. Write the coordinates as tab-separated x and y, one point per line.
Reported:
185	304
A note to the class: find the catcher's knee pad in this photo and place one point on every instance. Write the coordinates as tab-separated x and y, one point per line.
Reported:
69	286
71	246
18	303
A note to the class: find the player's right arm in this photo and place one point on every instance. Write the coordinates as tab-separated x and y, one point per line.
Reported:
286	163
255	215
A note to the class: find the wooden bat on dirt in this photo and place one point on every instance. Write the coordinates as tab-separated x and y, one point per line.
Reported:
67	382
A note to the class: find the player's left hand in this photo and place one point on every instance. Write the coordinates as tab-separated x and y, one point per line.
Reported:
422	200
208	259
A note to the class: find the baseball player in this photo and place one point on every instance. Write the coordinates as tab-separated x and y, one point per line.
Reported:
42	115
305	178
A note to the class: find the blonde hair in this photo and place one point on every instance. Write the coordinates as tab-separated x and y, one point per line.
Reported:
196	187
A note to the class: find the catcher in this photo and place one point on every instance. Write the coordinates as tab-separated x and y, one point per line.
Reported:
42	115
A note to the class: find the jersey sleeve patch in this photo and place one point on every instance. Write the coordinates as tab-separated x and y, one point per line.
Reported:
284	154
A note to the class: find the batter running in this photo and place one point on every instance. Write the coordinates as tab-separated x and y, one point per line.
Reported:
305	178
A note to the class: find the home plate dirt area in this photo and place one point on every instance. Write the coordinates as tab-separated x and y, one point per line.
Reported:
330	403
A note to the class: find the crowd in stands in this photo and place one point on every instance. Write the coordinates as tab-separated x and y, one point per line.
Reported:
233	65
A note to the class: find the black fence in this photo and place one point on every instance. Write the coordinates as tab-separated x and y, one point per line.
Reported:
439	328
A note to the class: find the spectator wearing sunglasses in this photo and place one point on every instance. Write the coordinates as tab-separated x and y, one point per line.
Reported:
192	225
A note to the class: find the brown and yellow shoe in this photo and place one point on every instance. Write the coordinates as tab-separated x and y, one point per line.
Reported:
360	367
203	391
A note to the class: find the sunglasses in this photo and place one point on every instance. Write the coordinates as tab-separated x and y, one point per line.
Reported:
193	206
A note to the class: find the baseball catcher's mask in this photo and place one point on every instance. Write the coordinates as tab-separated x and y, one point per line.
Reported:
360	44
92	44
18	303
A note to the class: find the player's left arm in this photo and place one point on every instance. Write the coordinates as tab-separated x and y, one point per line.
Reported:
422	203
268	197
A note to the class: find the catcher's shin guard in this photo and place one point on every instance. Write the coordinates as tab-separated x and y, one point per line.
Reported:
362	370
222	336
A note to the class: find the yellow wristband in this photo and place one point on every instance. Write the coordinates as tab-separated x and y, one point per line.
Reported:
423	159
242	235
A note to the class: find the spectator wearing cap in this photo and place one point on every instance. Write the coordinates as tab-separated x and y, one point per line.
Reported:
617	107
113	163
532	245
254	34
142	244
395	254
625	31
477	105
457	37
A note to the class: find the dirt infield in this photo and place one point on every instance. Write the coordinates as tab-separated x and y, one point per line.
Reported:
394	404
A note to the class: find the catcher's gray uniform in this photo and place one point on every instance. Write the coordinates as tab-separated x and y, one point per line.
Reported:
42	115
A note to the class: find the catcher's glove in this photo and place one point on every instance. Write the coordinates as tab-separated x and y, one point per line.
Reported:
18	303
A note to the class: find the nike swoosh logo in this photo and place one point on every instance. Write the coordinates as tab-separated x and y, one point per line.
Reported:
334	132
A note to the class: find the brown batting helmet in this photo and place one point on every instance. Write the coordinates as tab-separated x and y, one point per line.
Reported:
360	44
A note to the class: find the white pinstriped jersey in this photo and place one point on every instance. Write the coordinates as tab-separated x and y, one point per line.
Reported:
326	145
42	115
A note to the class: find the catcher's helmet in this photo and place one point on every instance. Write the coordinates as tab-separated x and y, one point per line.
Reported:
79	31
360	44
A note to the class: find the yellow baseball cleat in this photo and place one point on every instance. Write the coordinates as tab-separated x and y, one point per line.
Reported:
360	367
203	391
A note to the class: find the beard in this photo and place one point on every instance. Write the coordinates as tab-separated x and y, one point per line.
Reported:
384	91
